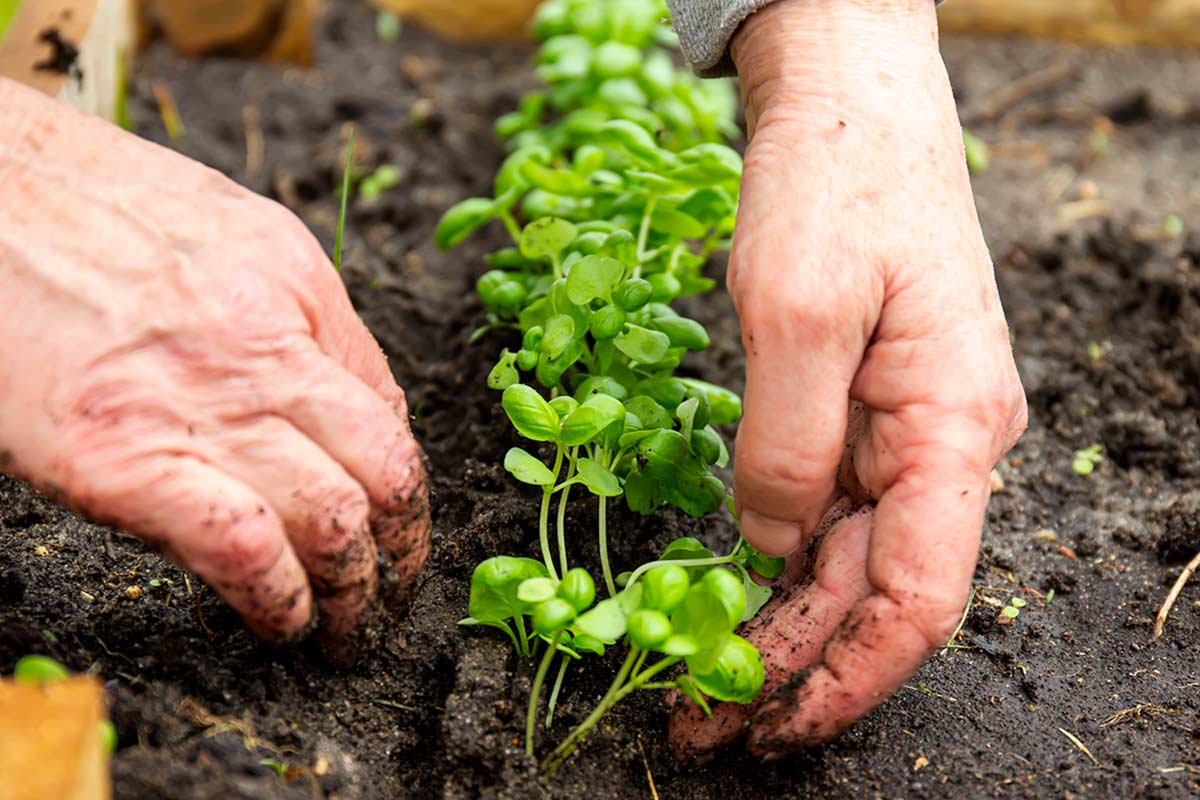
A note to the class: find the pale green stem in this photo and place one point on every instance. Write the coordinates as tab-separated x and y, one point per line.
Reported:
644	234
562	515
564	750
682	562
514	230
604	565
544	518
564	662
536	692
524	648
616	693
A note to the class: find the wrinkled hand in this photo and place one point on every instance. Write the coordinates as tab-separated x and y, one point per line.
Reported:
178	357
860	274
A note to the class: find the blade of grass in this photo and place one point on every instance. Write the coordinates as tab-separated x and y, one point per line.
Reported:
341	224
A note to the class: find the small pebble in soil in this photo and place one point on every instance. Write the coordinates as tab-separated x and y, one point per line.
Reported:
133	592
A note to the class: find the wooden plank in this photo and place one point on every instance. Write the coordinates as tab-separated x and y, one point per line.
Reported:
50	741
468	20
75	50
1110	22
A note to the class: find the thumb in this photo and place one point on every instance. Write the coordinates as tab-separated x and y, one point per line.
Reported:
803	348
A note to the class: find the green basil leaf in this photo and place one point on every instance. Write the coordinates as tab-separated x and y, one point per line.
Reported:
726	405
681	644
649	412
643	345
527	468
616	59
667	392
546	237
732	673
673	222
559	333
494	587
687	548
600	384
683	332
556	181
591	418
592	277
530	414
605	622
766	566
598	479
504	374
642	495
536	590
462	220
662	453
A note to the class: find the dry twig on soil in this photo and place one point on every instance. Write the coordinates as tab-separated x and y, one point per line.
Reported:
1182	580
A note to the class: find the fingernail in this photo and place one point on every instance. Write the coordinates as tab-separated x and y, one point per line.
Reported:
771	537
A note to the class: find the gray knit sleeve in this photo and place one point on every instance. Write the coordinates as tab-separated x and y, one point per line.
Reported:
705	28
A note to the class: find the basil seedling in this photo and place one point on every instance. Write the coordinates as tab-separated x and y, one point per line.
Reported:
617	190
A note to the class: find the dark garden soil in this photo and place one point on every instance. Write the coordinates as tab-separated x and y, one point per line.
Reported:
436	710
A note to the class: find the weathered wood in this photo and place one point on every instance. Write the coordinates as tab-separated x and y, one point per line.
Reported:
76	50
279	30
468	20
1111	22
50	743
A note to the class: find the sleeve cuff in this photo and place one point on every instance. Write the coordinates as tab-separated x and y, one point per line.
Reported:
705	28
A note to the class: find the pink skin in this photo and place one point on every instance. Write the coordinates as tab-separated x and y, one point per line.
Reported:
179	358
860	275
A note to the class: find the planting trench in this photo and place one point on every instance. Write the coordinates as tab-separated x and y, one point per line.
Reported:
438	711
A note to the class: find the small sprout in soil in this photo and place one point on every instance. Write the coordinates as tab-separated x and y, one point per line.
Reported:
1095	351
1010	612
278	767
388	27
347	170
1173	226
1085	460
39	670
381	180
978	153
1049	597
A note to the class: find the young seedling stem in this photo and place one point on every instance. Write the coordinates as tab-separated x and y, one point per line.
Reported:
345	199
535	692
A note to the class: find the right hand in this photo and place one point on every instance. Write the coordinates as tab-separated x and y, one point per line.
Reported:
178	357
860	276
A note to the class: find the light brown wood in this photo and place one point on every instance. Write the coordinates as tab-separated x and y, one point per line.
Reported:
101	33
50	741
23	50
1110	22
279	30
468	20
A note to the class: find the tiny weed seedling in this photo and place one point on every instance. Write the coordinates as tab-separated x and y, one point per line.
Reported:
1085	461
616	192
1008	614
979	159
344	202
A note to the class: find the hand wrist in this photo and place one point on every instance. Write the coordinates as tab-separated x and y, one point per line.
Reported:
821	50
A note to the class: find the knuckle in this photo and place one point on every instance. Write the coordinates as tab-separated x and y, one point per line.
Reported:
340	515
403	472
249	543
774	475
